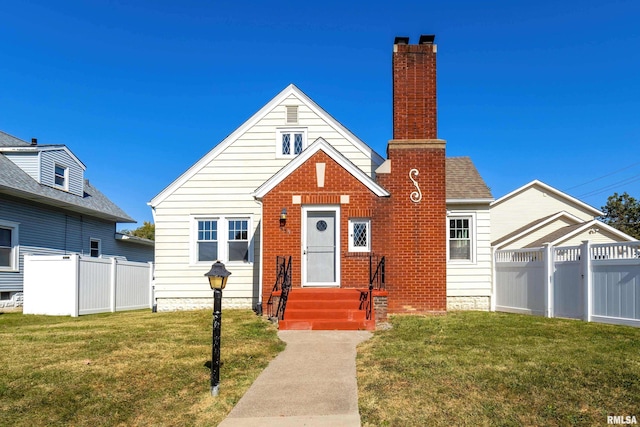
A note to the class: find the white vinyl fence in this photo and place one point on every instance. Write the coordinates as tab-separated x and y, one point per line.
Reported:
599	282
74	285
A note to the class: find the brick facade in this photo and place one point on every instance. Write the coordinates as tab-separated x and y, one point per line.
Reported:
414	231
287	240
413	234
408	227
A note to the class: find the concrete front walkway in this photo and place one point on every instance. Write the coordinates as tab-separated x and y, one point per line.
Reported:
311	383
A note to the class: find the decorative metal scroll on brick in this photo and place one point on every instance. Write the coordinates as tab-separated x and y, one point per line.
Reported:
415	196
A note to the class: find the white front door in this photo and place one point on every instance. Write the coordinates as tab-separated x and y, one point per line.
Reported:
320	246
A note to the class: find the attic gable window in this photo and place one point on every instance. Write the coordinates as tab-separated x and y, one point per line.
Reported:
290	142
292	114
61	174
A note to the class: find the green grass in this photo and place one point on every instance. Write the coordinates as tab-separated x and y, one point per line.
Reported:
471	368
131	368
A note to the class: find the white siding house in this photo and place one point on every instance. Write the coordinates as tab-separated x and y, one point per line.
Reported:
220	186
201	210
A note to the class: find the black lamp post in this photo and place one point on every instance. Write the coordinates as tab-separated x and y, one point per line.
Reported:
218	276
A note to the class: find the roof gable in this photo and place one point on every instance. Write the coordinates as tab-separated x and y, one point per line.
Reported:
280	98
533	227
547	188
317	145
565	233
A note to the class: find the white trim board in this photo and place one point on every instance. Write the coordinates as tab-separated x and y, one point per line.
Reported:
538	226
317	145
549	189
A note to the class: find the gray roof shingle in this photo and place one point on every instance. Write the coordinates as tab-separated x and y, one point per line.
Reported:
16	182
464	181
555	235
7	140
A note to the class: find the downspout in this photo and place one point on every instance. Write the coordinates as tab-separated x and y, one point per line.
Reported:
261	256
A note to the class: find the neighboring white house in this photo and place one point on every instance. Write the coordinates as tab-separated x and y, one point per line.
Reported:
210	212
537	213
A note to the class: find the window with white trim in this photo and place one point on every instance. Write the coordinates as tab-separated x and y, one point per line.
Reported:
60	176
359	235
238	240
8	246
460	238
226	239
207	240
95	249
290	142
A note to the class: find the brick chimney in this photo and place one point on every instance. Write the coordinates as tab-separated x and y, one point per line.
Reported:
412	222
414	89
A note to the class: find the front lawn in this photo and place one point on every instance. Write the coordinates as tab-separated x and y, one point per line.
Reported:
131	368
472	368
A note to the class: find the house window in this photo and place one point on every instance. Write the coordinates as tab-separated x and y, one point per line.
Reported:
95	248
238	240
8	246
460	239
360	235
207	240
60	176
223	238
290	142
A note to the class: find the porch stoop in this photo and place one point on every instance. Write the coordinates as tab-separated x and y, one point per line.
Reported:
325	309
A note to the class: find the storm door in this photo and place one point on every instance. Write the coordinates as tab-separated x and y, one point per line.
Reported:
320	247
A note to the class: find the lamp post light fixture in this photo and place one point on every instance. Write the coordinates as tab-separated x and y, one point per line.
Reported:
218	276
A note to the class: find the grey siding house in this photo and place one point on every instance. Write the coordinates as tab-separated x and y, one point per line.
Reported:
48	207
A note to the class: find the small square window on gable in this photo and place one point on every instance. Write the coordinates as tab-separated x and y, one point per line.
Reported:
290	142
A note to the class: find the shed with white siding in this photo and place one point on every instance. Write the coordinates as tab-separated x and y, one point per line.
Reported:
537	213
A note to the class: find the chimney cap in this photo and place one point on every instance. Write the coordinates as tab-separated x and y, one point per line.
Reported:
34	141
401	40
427	39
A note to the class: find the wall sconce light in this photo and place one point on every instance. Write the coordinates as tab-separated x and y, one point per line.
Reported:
283	217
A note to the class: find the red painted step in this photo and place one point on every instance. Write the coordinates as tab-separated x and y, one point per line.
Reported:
324	309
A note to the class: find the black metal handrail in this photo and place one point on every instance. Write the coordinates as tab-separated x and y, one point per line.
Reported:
283	285
376	281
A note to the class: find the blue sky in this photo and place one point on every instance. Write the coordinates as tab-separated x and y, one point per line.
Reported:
140	90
